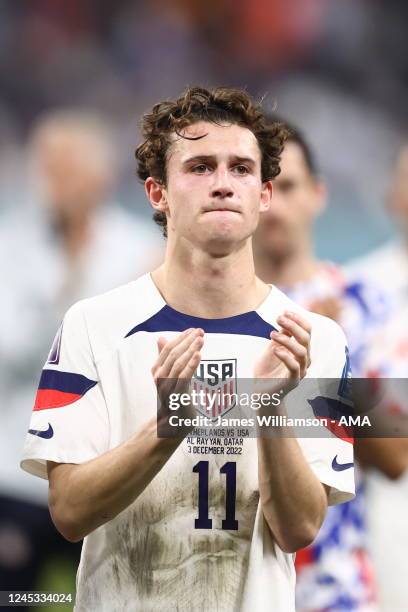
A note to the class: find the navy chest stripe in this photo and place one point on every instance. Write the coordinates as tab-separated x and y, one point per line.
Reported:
67	382
168	319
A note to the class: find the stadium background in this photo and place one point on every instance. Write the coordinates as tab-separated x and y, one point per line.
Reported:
336	69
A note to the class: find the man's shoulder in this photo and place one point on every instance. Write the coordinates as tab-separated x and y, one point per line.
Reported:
373	264
327	329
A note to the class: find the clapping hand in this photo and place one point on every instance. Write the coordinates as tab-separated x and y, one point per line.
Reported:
287	355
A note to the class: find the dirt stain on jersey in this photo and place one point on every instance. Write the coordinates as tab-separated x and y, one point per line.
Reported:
157	553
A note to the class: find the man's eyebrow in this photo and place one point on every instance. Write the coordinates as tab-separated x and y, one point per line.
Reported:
244	160
208	158
199	158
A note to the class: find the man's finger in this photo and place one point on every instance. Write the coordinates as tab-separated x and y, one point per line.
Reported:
180	363
177	345
177	352
289	360
300	319
169	344
296	329
164	346
297	349
191	366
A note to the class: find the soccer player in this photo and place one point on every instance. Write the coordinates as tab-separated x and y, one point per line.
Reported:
387	265
335	572
172	523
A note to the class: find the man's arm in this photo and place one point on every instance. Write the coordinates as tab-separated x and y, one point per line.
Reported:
380	399
294	501
388	455
85	496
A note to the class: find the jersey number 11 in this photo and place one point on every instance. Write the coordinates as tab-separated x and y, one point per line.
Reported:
203	521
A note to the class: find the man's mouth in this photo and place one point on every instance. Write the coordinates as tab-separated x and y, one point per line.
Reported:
222	209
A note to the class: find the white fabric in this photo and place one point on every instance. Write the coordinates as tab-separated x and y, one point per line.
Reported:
386	267
150	557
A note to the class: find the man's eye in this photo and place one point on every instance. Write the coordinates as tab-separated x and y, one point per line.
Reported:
240	169
286	186
200	169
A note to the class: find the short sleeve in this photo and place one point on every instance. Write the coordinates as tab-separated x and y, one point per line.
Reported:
69	422
328	386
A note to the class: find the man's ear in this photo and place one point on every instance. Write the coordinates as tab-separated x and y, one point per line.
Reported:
266	196
156	194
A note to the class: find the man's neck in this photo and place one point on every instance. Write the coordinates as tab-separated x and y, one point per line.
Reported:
287	271
73	232
202	285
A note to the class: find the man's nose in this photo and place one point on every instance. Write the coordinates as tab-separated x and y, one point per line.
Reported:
222	187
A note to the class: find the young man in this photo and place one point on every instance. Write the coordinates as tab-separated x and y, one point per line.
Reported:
387	265
335	572
171	523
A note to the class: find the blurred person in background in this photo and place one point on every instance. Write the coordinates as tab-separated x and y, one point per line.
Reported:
70	242
387	265
335	572
388	362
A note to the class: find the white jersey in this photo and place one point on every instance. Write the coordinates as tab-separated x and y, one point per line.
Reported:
97	390
386	267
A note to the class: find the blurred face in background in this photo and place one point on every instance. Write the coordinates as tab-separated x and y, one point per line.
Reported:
72	167
298	198
398	197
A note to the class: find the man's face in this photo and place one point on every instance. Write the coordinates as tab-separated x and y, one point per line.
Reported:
398	200
298	197
214	190
72	175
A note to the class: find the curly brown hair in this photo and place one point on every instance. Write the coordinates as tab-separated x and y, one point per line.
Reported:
219	105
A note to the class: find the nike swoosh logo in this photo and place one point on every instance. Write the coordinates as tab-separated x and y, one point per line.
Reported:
340	467
46	433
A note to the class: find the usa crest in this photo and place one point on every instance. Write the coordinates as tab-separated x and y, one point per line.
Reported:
215	382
